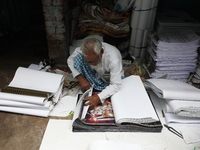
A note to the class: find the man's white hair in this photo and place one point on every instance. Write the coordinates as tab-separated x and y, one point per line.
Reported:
87	46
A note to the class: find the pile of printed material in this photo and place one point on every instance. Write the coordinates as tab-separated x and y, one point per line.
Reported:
180	103
173	20
172	54
179	99
31	92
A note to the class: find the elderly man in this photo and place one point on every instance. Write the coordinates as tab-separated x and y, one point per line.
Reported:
97	64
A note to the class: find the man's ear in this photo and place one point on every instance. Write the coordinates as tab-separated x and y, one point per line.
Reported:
102	51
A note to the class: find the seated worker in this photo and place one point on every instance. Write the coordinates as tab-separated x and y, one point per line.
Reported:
97	64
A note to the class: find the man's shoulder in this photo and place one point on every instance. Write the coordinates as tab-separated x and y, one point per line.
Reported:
77	50
111	52
109	46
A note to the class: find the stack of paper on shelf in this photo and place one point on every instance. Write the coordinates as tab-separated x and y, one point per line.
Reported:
180	101
172	54
170	20
31	92
130	110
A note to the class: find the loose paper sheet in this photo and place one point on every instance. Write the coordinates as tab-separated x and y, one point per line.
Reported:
66	105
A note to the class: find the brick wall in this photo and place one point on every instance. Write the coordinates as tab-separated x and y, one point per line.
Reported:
56	16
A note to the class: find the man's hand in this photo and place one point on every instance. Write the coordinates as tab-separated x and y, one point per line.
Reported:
92	101
83	82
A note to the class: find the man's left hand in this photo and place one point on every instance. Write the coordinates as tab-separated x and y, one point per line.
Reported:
92	101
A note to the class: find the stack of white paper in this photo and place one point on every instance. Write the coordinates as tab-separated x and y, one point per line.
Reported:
189	127
31	103
173	54
169	20
177	97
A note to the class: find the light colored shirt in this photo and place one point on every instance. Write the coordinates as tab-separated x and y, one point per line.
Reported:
111	72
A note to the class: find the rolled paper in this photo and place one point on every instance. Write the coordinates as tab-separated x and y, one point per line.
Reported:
136	13
133	36
139	38
144	14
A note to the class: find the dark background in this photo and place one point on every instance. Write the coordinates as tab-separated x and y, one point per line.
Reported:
22	21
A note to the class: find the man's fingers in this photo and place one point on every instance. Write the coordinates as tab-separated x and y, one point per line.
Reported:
89	103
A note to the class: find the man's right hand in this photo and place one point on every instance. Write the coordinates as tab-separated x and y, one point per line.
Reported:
83	82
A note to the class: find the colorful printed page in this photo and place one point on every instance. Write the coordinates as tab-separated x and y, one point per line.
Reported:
100	115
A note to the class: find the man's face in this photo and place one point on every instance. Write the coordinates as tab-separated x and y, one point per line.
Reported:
92	58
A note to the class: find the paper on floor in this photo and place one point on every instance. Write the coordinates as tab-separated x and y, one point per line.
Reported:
112	145
190	134
64	106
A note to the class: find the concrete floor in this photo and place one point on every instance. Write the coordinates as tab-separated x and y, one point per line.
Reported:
20	132
17	131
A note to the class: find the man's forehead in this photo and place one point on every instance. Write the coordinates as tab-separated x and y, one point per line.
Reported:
91	54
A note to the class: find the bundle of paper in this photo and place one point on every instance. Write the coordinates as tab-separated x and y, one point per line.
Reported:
170	20
186	127
177	97
172	51
31	92
130	110
184	107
